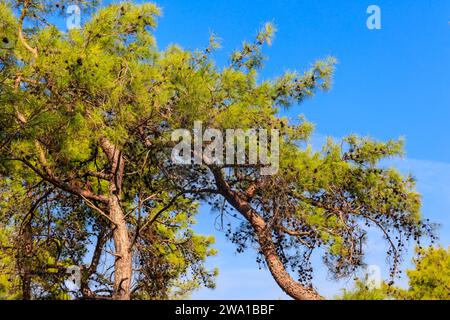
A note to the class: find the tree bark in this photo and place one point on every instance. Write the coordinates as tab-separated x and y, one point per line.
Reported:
123	258
123	270
291	287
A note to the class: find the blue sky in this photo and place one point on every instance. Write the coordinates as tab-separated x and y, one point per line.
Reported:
389	83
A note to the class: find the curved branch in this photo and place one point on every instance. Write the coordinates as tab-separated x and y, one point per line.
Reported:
263	234
22	39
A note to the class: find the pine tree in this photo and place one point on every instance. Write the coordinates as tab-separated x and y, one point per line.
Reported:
77	171
430	279
89	114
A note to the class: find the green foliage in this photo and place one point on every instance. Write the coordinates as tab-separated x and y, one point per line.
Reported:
9	281
430	280
100	81
362	292
63	95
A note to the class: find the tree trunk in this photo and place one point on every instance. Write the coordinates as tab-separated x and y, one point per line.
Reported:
123	265
123	258
291	287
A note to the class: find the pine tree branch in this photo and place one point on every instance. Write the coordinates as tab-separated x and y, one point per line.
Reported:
22	39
